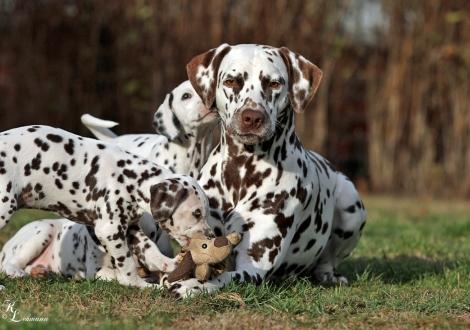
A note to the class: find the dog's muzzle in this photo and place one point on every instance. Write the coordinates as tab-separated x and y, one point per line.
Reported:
251	126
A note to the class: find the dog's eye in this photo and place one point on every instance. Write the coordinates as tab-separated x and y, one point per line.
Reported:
185	96
229	82
197	214
204	246
274	85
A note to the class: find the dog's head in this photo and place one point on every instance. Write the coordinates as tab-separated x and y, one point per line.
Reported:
181	208
183	112
251	85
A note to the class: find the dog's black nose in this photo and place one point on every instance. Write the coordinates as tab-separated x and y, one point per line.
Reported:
252	118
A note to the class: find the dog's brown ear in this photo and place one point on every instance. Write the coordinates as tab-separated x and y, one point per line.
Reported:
304	79
202	73
184	269
165	197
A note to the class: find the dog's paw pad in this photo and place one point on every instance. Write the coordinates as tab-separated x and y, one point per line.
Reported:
39	270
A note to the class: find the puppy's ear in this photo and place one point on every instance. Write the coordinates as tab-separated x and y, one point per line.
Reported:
165	121
203	71
304	78
165	197
183	270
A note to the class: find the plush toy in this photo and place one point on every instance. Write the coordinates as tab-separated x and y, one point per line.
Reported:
204	256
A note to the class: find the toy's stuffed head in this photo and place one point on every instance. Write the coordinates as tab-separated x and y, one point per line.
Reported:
203	256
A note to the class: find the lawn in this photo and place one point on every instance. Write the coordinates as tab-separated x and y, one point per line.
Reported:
410	271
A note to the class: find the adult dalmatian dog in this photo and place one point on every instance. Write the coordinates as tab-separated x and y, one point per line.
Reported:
297	215
184	126
98	184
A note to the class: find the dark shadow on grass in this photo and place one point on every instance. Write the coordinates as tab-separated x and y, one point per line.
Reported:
397	270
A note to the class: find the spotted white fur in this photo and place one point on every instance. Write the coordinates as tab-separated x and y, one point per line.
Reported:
185	128
298	216
100	185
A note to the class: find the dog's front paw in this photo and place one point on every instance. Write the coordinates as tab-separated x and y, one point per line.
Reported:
167	265
171	266
188	288
330	278
14	272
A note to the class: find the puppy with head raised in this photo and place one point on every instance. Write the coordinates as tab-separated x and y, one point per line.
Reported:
100	185
297	215
184	126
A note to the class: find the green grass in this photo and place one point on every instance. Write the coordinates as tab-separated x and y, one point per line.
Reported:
410	271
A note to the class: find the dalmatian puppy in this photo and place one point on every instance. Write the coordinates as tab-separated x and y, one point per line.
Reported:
65	247
297	215
100	185
184	126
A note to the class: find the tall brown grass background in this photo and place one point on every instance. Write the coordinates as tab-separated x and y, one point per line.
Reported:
392	111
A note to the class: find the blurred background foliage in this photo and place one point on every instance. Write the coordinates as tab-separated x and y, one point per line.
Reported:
392	111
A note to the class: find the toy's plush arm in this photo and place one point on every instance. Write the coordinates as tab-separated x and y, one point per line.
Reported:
184	268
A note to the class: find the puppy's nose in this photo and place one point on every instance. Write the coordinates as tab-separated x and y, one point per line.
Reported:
220	241
252	118
208	233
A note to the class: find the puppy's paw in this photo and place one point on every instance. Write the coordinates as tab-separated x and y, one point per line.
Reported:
191	287
39	270
330	278
15	272
171	266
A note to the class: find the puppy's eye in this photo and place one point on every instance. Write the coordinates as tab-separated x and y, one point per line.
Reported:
230	82
204	246
185	96
197	214
274	85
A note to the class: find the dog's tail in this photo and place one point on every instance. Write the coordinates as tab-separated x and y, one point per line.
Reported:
99	127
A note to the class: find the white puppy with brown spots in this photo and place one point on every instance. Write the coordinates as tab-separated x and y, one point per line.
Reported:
184	126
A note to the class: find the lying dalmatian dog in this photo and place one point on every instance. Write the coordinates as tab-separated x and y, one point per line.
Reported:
100	185
298	216
65	247
185	132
